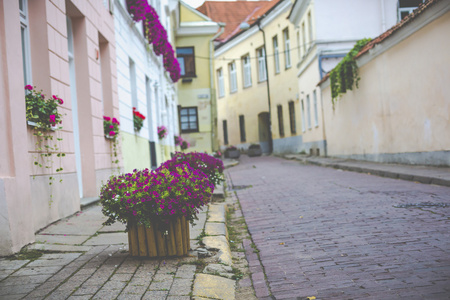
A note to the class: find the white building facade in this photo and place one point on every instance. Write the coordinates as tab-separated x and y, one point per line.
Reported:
144	84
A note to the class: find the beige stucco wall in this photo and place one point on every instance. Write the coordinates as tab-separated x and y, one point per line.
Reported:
401	110
253	100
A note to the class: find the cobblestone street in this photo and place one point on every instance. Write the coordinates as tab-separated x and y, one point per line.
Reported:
335	234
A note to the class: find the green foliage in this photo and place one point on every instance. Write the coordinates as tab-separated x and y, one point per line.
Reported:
345	75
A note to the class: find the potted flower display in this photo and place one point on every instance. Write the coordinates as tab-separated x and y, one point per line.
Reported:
138	120
254	150
179	141
111	131
44	118
158	205
162	132
232	152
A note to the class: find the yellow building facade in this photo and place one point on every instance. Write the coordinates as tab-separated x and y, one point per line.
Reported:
242	81
195	33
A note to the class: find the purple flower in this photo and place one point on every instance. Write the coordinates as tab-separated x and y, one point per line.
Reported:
29	87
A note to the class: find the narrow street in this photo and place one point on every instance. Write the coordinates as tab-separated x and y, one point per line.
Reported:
335	234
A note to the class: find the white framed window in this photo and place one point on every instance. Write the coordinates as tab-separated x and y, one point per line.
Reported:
299	54
233	77
247	70
262	73
308	111
287	48
310	30
316	111
304	38
276	54
25	38
133	85
303	117
221	82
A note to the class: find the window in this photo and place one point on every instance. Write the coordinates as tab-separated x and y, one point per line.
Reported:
233	77
25	38
308	111
262	74
405	7
292	117
304	38
287	48
247	70
299	54
186	59
303	117
133	86
225	132
242	128
316	112
188	119
280	120
220	83
310	30
276	54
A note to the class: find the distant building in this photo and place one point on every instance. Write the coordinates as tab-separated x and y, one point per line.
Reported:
197	109
245	85
326	31
401	111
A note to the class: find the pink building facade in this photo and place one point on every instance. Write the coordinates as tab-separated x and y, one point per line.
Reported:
64	48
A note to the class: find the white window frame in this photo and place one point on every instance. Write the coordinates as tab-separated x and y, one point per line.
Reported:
25	38
276	54
304	38
303	116
404	9
220	83
316	109
262	72
233	77
247	71
308	111
133	83
287	48
299	52
310	30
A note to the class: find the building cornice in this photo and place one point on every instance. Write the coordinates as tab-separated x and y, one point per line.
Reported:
197	28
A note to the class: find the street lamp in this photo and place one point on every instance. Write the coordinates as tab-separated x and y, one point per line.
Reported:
245	26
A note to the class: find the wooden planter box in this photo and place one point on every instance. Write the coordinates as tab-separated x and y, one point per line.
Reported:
150	242
232	153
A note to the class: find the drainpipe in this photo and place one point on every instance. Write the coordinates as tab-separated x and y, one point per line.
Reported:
212	95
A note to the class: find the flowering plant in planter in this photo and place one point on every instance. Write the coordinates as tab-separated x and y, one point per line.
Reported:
179	141
111	131
43	115
162	132
138	120
154	198
211	166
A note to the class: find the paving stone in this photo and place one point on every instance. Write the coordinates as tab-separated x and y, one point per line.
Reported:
113	228
59	248
186	271
178	297
106	294
216	213
181	287
216	287
9	290
218	269
18	280
86	290
29	271
6	264
155	295
108	239
219	243
54	260
216	229
82	297
61	239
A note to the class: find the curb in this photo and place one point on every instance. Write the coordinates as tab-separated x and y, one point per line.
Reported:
381	170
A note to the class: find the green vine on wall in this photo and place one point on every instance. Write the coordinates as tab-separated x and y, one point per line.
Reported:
345	75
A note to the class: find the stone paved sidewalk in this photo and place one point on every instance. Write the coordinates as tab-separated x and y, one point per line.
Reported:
85	260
